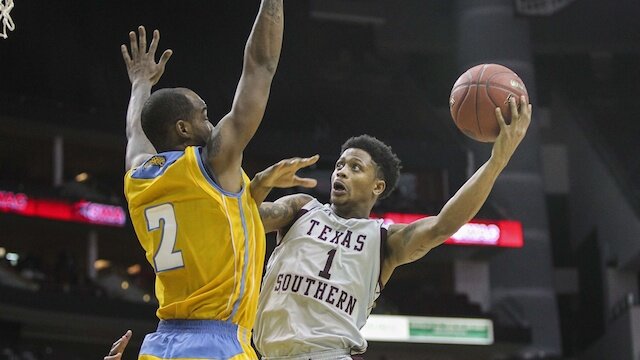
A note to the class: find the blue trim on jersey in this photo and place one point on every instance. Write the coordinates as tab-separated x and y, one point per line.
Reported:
211	181
246	260
194	339
151	171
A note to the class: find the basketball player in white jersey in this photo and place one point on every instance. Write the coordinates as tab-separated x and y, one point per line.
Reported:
331	261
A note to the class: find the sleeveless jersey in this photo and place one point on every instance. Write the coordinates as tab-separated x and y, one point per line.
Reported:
320	284
206	245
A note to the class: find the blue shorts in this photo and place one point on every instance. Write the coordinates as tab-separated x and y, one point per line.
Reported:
197	340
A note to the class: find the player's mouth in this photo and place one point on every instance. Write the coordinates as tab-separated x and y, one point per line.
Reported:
338	188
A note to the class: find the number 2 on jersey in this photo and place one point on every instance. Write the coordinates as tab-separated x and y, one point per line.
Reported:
325	272
164	218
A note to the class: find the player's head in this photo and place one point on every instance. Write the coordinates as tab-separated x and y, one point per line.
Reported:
366	171
175	118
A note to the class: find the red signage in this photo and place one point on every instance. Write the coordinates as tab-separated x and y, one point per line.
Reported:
81	211
501	233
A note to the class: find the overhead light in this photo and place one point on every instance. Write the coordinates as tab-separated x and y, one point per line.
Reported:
13	258
134	269
146	298
124	285
101	264
83	176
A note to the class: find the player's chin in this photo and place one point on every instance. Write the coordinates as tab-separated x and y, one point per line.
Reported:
339	198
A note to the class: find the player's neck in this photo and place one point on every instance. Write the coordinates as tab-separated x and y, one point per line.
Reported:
349	211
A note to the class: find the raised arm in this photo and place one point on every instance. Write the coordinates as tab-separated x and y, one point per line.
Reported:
143	72
408	243
233	132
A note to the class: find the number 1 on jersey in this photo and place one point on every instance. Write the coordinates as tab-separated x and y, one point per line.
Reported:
163	217
325	272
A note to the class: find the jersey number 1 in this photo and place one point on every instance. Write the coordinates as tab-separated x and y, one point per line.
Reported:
163	217
325	272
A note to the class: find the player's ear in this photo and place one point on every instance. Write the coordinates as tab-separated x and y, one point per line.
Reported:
379	186
183	128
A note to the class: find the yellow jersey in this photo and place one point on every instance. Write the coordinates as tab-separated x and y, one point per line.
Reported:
206	245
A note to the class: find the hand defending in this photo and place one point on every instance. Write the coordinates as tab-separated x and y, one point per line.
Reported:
283	173
141	64
511	135
118	347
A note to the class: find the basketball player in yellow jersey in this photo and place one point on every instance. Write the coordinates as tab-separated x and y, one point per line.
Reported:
192	207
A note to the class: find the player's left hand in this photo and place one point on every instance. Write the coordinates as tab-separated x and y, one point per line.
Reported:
283	173
118	347
141	64
511	135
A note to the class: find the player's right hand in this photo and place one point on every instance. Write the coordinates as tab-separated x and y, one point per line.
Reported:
141	64
511	135
118	347
283	173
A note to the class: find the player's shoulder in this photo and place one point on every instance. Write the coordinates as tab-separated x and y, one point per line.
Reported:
156	165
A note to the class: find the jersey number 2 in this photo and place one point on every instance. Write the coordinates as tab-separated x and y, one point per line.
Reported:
325	272
163	217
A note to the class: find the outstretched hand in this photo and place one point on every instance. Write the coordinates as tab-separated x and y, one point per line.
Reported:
141	64
511	135
118	347
283	173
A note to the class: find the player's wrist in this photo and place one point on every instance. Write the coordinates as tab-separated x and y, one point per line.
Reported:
498	161
141	83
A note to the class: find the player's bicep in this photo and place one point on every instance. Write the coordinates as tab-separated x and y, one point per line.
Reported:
408	243
275	216
282	213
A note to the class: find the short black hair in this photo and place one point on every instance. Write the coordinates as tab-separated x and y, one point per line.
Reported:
387	161
163	108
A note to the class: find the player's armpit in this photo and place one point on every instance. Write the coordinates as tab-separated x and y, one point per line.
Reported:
281	213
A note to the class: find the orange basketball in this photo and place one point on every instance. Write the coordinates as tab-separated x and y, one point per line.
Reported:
477	93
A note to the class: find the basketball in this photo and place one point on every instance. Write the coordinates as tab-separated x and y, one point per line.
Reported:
477	93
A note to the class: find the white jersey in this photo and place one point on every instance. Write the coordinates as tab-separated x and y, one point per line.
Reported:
320	284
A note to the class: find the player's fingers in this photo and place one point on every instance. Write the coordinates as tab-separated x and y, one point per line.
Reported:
513	106
134	45
305	182
142	39
500	119
121	343
114	357
154	43
304	162
525	107
114	347
166	55
125	55
125	341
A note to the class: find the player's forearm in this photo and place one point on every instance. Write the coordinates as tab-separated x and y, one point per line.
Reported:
265	42
140	92
466	203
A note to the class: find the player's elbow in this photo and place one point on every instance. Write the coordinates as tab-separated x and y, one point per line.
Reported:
260	62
